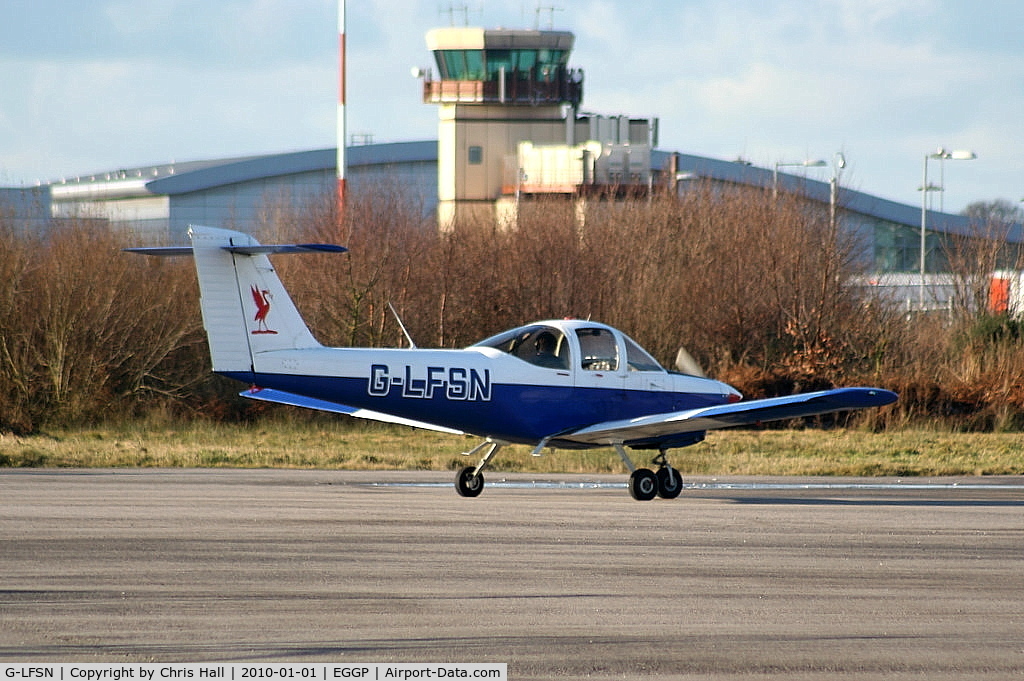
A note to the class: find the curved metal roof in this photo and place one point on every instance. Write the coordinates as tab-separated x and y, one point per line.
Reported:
868	205
183	178
191	176
258	167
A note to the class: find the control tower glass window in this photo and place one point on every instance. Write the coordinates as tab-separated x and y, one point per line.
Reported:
487	64
460	64
522	61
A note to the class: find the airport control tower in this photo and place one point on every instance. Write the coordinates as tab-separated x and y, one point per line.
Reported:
508	122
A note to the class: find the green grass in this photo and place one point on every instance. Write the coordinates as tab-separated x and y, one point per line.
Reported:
344	445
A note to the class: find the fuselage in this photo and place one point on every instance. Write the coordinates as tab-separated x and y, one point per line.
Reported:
504	388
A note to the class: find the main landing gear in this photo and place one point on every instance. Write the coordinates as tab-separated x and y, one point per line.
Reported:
645	484
470	480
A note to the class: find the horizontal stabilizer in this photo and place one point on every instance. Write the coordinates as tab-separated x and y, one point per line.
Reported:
649	430
261	249
160	250
268	249
283	397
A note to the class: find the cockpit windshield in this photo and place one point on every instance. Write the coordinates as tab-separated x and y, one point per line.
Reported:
638	359
540	345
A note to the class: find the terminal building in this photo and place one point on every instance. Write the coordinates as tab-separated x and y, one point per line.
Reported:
510	128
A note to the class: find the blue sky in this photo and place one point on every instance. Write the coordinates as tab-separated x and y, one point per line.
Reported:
107	84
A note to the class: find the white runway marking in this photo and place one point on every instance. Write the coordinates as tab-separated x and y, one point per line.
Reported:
726	485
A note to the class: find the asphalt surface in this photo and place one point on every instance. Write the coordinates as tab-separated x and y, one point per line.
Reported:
737	578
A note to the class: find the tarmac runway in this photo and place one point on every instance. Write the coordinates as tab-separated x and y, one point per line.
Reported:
786	578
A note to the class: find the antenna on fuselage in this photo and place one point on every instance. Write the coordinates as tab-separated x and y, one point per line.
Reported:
401	325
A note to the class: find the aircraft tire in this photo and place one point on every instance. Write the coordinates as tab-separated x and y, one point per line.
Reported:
467	484
669	484
643	484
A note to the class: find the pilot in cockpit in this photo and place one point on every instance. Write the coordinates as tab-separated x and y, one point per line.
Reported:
546	347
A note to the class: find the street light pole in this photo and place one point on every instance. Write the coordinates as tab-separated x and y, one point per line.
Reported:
942	154
839	162
808	163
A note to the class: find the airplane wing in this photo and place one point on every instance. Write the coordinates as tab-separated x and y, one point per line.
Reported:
283	397
650	431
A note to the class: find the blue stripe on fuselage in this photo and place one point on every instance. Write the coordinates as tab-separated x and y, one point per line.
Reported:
514	412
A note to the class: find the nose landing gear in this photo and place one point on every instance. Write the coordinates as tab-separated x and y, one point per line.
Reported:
645	484
670	484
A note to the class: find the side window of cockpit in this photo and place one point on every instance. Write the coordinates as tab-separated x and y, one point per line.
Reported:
545	348
598	349
541	346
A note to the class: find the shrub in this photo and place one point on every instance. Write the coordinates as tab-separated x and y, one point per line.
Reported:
753	285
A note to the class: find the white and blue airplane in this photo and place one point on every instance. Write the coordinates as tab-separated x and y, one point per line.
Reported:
551	384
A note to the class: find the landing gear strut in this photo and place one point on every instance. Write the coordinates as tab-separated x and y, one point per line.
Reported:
645	484
469	481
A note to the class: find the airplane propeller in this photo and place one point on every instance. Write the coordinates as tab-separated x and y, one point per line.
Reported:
687	364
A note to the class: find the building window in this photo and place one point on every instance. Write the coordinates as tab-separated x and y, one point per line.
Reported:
476	155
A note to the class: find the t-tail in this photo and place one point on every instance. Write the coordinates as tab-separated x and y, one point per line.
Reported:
246	309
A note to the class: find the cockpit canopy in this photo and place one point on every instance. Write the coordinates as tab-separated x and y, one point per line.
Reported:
575	345
537	344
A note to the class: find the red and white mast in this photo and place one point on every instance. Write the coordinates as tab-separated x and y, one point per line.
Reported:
341	106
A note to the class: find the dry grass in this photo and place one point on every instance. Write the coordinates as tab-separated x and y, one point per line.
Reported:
342	445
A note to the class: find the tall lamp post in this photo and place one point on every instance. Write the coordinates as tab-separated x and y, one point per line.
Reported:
817	163
838	163
942	154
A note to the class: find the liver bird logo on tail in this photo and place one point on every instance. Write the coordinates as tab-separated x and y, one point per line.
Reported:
262	299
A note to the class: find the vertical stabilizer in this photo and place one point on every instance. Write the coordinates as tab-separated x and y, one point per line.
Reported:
246	309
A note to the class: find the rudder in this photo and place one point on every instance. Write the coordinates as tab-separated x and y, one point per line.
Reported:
246	309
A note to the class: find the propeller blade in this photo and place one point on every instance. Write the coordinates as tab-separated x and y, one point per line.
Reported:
687	364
